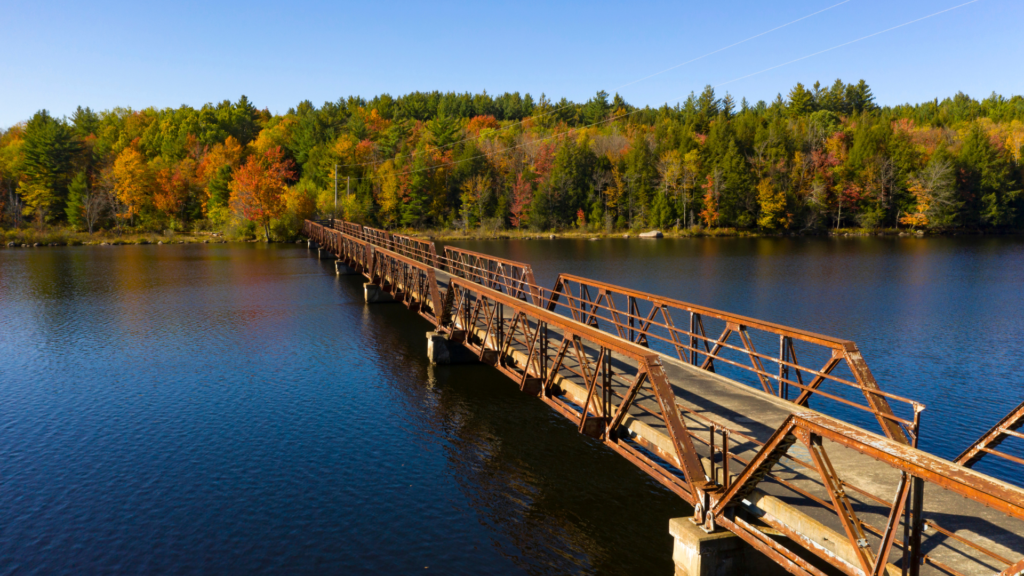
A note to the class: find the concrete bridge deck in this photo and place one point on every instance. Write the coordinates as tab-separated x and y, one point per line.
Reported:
961	535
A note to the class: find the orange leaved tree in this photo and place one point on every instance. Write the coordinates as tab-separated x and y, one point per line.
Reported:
133	183
257	188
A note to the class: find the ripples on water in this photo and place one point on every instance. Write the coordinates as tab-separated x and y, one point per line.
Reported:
237	409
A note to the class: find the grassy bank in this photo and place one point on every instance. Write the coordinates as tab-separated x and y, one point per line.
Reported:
27	237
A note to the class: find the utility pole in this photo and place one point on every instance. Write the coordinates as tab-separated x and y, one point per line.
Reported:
335	215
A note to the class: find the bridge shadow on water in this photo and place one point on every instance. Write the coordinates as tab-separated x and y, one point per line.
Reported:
555	501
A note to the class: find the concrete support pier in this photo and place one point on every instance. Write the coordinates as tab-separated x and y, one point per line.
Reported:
441	350
322	254
722	553
342	269
312	245
374	295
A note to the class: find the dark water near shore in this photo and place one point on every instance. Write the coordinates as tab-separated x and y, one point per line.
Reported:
237	409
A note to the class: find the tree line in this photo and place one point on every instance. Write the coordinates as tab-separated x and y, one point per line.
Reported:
821	157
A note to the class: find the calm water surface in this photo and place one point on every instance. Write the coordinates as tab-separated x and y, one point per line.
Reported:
237	409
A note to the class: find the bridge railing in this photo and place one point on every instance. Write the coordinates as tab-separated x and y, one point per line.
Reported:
377	237
508	276
735	346
349	228
408	281
419	250
1006	428
868	548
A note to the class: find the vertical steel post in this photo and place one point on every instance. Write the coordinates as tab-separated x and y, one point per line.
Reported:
912	549
693	338
711	456
543	327
630	306
725	458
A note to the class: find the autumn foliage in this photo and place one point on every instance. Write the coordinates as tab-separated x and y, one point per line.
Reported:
258	186
815	160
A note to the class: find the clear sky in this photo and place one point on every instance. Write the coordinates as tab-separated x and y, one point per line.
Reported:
102	54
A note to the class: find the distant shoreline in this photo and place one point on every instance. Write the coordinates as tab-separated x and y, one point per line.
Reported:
32	238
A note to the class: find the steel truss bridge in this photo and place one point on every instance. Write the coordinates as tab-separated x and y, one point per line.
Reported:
716	407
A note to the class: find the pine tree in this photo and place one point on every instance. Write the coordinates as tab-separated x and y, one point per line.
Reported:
801	101
596	109
728	105
834	100
708	104
49	150
78	195
859	98
986	180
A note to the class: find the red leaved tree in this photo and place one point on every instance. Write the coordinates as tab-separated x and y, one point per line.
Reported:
522	195
257	187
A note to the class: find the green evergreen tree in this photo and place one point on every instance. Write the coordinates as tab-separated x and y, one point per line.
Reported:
49	152
801	101
859	98
596	109
78	195
986	180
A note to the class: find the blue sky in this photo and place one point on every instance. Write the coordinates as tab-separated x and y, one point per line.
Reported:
102	54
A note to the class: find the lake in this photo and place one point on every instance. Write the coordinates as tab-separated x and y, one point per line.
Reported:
238	409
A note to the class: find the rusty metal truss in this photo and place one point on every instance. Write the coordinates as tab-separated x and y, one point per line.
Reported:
508	276
596	366
1006	428
685	331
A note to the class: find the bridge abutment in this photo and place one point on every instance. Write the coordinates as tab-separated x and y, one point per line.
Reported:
342	269
697	553
441	350
374	294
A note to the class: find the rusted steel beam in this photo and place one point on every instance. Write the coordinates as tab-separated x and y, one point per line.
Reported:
685	451
764	544
805	335
1015	570
889	534
840	502
415	248
646	361
972	485
755	471
1003	429
516	278
638	327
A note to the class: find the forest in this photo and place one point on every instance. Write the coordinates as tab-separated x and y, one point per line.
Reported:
819	158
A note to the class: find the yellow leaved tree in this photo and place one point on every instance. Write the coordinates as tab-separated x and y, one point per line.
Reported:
132	184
